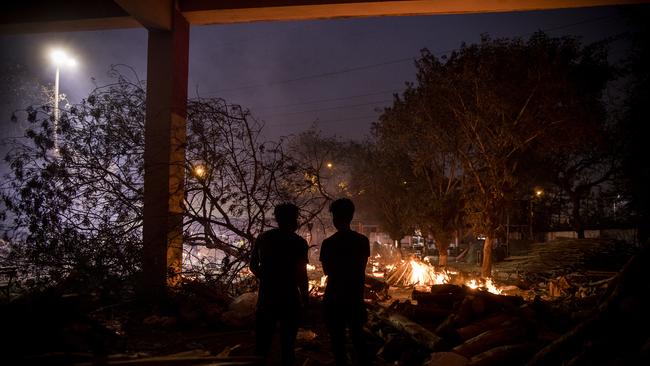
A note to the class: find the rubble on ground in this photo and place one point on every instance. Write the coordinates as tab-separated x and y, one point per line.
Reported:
569	302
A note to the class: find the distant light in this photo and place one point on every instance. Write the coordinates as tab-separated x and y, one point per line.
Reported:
60	58
539	192
199	171
330	165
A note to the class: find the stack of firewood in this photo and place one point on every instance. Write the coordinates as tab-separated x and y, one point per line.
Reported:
455	325
477	326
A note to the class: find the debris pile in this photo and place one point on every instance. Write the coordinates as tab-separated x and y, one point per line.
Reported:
456	325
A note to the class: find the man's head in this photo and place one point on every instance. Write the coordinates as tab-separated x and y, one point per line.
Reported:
342	212
286	215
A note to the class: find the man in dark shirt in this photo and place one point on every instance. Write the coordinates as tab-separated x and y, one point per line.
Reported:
344	256
279	260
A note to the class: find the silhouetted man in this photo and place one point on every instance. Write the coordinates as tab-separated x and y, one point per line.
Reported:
279	261
344	256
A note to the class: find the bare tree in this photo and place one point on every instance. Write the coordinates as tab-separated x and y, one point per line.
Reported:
79	208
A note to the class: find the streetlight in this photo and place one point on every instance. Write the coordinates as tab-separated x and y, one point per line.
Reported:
538	193
59	58
330	165
199	171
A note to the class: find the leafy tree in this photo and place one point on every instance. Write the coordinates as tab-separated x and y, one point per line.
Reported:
430	150
80	208
583	152
498	98
635	178
382	184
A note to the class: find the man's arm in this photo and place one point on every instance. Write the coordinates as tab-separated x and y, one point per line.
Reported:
303	280
324	257
254	264
365	254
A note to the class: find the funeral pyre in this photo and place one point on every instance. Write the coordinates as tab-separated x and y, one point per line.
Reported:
564	313
413	272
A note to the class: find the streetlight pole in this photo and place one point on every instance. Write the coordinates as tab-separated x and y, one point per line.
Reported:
538	193
59	58
56	107
530	217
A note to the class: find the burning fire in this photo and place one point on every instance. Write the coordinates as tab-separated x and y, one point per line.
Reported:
318	285
422	274
487	285
414	272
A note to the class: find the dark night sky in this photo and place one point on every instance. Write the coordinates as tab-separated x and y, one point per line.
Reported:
256	64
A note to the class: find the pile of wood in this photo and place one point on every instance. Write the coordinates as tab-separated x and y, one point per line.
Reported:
562	256
455	325
475	325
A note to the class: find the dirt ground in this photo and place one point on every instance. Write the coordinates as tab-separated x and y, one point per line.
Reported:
312	346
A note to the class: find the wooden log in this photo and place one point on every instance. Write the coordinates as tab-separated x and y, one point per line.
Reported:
440	298
446	359
630	279
480	306
490	339
459	317
447	288
478	327
421	313
426	314
173	360
419	334
375	285
514	354
499	302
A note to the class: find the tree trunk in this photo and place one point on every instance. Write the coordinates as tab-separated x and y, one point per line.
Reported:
442	243
398	246
577	218
442	260
486	269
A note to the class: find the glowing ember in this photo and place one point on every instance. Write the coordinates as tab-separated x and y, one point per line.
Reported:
491	287
313	284
472	284
318	286
487	285
310	267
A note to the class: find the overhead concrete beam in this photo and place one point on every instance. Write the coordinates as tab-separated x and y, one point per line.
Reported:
62	16
79	15
199	12
152	14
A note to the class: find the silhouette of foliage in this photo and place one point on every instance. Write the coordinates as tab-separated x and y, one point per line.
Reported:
79	208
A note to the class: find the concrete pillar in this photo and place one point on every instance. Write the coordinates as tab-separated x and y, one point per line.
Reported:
164	155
